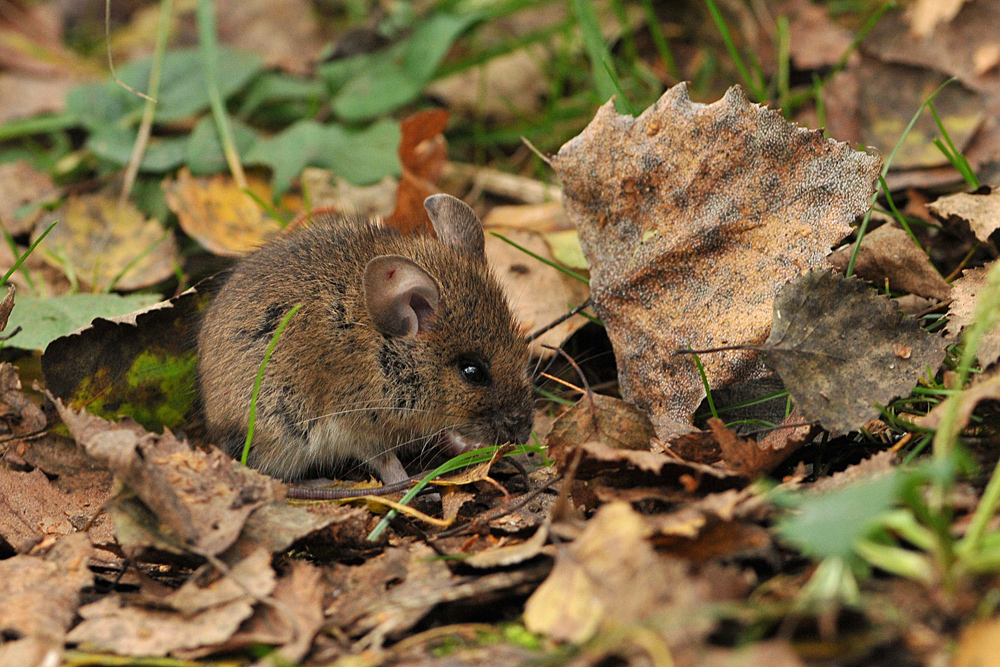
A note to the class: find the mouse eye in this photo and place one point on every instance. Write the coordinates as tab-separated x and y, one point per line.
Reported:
473	372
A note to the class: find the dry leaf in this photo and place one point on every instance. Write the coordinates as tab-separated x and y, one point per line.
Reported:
842	350
980	209
201	498
218	215
192	617
327	191
889	255
41	593
503	89
924	15
538	294
815	40
964	293
611	577
955	46
979	644
7	305
285	32
874	102
754	458
548	217
20	184
987	388
100	241
423	154
692	216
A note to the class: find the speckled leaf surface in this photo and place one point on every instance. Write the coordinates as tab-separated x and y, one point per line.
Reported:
692	217
843	350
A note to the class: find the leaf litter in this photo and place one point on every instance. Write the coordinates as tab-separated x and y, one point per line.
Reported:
676	262
674	522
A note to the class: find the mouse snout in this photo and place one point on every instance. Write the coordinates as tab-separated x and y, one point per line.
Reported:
516	426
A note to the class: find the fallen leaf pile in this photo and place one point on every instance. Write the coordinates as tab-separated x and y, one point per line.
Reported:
720	433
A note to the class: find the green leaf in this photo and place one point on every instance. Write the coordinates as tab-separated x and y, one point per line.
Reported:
204	150
829	525
182	88
362	157
271	88
114	143
44	320
395	77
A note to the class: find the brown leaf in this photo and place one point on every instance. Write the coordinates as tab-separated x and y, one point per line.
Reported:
7	305
603	418
537	293
675	260
815	40
964	293
889	256
423	153
503	89
202	498
100	240
987	388
20	184
285	32
35	507
611	577
196	615
957	46
218	215
41	593
842	350
874	102
980	209
753	458
290	621
19	415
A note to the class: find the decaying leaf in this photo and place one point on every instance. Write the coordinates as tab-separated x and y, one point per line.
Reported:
753	458
7	305
19	415
201	498
964	293
924	15
41	593
20	185
611	577
692	216
613	440
873	103
217	214
195	615
842	350
107	244
423	153
980	209
985	389
889	256
538	294
141	365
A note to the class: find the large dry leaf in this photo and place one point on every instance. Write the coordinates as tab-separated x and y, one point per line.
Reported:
201	498
889	256
692	216
924	15
980	210
842	350
218	215
101	240
965	291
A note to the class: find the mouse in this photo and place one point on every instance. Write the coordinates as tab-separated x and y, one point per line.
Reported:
401	343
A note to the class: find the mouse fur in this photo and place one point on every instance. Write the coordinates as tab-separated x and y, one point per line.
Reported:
401	342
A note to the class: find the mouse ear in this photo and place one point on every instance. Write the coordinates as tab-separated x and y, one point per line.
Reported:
456	225
400	295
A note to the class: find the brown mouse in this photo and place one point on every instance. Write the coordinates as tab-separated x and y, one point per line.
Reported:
402	342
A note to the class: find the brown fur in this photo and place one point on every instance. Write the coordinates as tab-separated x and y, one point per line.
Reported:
336	388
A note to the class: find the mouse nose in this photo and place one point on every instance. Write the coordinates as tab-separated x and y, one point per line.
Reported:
516	427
